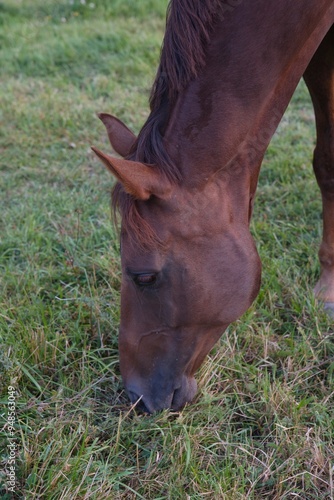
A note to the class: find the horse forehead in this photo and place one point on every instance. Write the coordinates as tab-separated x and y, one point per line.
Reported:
187	213
207	197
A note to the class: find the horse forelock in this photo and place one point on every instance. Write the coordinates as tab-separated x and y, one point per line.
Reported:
189	25
140	232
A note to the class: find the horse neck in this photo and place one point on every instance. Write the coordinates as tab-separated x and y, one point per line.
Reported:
228	114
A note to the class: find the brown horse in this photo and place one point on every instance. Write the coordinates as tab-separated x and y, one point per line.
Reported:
187	184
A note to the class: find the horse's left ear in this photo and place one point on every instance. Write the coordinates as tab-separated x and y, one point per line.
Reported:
138	179
120	136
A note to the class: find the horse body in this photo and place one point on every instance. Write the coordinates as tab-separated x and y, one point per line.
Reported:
189	264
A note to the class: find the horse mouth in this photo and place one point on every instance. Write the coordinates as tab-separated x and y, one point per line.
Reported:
143	407
175	401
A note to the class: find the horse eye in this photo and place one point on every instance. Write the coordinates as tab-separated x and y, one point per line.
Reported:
146	279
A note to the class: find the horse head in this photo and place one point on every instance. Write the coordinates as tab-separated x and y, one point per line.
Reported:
181	289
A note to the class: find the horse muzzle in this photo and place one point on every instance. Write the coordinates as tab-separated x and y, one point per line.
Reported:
156	398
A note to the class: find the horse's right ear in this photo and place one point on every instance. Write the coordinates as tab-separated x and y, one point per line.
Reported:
138	179
120	136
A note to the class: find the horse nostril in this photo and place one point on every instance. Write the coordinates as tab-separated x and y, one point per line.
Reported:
142	408
133	396
177	404
138	402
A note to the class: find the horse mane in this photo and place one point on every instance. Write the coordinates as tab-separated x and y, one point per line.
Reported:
189	24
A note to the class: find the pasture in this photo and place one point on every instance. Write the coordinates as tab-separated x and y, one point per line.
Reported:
261	426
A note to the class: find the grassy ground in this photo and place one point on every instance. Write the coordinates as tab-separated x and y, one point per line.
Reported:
262	423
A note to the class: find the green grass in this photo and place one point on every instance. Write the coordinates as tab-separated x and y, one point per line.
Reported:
262	423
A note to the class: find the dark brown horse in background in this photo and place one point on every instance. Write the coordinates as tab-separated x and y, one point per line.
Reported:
186	189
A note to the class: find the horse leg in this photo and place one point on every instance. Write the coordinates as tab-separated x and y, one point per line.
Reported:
319	78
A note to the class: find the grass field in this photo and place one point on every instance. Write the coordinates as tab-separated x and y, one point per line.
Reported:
261	426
